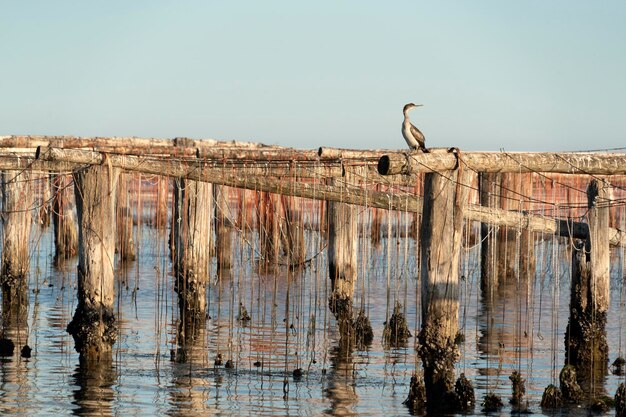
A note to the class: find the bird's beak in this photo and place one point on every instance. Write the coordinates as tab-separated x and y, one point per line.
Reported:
419	105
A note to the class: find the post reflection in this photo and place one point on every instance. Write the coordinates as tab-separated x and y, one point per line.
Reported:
94	395
190	347
14	331
190	392
14	349
505	337
341	384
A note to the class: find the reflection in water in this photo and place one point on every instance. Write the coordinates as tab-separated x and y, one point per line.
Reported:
505	339
94	395
14	386
190	391
144	381
341	387
190	338
15	350
15	317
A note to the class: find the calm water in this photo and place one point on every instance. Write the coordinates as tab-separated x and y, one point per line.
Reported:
522	331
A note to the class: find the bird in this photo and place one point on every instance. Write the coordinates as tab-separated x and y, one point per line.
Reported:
414	138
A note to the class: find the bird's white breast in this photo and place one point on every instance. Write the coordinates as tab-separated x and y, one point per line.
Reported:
406	132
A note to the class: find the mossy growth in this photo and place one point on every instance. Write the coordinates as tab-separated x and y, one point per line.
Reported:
6	347
519	388
243	316
26	352
465	393
620	401
492	403
363	330
218	360
570	390
602	404
617	367
416	400
552	397
396	332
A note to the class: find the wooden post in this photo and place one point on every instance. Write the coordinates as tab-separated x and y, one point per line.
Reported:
193	208
17	198
489	189
527	263
294	231
342	263
506	250
269	217
94	326
440	239
125	244
191	242
45	198
190	338
223	227
375	225
586	347
63	219
161	209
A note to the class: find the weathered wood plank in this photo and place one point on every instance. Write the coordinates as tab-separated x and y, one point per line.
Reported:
34	141
566	163
346	193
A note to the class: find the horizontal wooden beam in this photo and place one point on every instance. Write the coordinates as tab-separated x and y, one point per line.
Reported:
30	163
409	163
268	168
34	141
343	193
337	153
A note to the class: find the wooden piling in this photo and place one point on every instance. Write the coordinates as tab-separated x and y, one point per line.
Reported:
63	218
14	330
190	341
125	244
586	347
376	225
527	262
515	245
506	253
17	198
268	222
192	226
342	263
440	239
223	227
44	203
94	325
489	190
294	231
161	209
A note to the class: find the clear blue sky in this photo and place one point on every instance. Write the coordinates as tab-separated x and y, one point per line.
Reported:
529	75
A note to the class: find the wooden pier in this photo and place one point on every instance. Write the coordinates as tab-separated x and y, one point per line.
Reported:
510	197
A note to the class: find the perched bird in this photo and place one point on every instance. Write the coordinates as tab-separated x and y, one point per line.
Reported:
414	138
